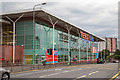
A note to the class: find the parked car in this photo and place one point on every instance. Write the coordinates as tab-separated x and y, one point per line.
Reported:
99	61
115	61
4	74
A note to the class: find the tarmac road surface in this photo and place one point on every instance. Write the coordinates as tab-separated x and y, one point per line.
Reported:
87	71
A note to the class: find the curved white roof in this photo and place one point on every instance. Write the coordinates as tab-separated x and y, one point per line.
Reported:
43	14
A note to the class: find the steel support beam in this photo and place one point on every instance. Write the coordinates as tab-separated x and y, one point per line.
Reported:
93	53
79	44
87	50
34	34
69	52
53	24
14	25
104	50
1	42
101	50
0	34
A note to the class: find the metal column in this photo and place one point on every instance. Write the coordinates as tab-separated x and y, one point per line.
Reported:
14	22
1	42
0	34
53	43
13	42
101	49
93	53
33	34
79	45
53	24
98	49
68	44
87	50
104	50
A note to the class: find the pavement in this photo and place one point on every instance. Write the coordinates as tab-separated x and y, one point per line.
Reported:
26	67
106	71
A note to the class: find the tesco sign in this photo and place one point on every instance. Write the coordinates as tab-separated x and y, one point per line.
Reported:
86	36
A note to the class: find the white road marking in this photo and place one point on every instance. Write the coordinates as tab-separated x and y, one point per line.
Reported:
57	69
81	76
65	71
75	69
26	73
93	73
86	75
43	76
59	73
53	74
23	74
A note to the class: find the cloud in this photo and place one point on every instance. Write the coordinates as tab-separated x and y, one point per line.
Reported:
96	16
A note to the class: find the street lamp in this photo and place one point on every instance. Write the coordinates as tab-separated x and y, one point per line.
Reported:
34	27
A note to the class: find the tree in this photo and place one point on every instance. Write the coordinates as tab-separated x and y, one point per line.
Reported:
110	56
117	52
105	51
115	56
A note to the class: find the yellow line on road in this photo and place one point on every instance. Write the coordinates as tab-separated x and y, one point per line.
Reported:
115	76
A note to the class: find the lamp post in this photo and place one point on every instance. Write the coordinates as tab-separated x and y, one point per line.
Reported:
34	27
104	50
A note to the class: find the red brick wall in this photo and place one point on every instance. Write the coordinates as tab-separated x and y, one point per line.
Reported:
7	53
19	53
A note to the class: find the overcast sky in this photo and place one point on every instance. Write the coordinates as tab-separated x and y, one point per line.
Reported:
99	17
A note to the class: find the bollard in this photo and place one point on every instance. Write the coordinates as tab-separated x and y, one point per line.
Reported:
38	65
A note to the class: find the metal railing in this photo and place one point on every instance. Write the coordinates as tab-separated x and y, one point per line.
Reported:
18	66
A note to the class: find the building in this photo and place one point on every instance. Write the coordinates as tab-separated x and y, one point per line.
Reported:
39	42
118	45
111	44
101	46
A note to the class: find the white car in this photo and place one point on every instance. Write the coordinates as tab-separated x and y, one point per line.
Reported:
4	74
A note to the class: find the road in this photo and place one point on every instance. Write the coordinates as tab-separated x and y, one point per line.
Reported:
76	72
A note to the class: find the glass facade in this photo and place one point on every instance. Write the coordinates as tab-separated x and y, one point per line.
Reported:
44	41
7	35
24	37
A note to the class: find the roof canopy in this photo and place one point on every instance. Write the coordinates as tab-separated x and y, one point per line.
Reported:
4	21
42	14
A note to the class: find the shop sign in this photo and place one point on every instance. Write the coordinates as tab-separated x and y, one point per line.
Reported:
91	38
84	35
